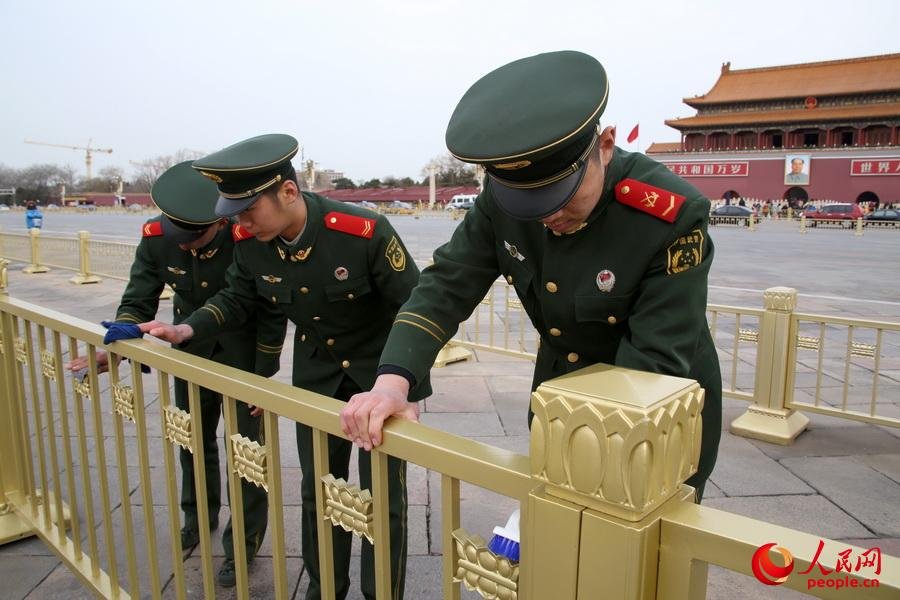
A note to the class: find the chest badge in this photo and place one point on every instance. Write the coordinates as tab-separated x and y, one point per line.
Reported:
606	280
271	278
513	251
176	270
341	273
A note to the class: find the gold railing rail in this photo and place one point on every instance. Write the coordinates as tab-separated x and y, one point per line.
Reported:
604	505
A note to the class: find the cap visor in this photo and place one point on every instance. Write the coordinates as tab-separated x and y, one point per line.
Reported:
536	203
229	207
178	235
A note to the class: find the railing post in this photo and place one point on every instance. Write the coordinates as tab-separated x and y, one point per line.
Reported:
803	222
84	264
859	226
768	418
35	266
751	225
12	527
609	448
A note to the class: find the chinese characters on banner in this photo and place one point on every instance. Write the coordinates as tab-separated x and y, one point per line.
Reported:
875	166
710	169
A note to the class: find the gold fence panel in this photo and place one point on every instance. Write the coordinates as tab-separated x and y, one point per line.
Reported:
111	259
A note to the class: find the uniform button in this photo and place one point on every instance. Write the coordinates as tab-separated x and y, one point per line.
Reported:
174	285
204	284
555	332
611	320
274	299
572	357
304	290
333	219
345	364
178	311
350	296
551	287
317	318
625	189
509	279
302	337
330	341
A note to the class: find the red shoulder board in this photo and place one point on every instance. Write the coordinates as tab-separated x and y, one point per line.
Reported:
152	229
240	234
656	201
358	226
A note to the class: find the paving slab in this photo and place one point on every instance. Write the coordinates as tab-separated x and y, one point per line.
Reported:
743	470
872	498
834	441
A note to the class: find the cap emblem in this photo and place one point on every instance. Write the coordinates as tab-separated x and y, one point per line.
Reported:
341	273
606	279
212	176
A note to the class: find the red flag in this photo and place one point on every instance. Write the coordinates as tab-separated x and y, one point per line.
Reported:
634	134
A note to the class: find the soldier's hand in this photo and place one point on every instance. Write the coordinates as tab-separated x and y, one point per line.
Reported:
255	411
364	416
174	334
80	363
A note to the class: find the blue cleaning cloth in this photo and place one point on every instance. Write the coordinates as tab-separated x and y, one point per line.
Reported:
122	331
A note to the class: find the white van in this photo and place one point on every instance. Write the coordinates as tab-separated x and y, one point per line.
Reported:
461	202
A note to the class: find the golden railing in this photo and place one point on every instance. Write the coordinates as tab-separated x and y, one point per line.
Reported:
602	494
775	387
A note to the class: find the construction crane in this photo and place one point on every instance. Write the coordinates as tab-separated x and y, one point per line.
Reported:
88	158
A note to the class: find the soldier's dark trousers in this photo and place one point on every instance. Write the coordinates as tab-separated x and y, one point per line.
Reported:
339	461
256	504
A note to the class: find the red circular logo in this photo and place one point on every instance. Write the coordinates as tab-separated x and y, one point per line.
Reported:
811	102
768	572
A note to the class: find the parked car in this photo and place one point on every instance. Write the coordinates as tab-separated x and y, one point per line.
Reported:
839	213
732	210
4	208
369	205
731	214
884	214
844	210
461	202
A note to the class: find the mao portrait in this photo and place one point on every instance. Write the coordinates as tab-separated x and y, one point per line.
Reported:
796	169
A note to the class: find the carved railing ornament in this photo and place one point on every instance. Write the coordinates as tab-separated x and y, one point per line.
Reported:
349	507
20	352
48	365
123	401
482	571
178	427
249	460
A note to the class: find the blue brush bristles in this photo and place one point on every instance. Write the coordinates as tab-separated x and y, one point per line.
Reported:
505	541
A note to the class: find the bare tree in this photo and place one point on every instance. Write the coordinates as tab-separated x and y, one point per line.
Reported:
450	171
148	171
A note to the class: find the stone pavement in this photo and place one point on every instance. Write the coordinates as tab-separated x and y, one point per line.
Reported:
840	479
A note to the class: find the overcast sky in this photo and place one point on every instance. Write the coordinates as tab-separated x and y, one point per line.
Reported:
368	87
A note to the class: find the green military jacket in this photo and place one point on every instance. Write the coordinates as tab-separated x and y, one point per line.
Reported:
627	289
195	276
341	284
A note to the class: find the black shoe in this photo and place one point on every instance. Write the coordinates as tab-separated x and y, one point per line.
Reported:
190	535
227	576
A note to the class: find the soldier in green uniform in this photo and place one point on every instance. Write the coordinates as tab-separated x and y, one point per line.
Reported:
190	248
340	273
607	250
